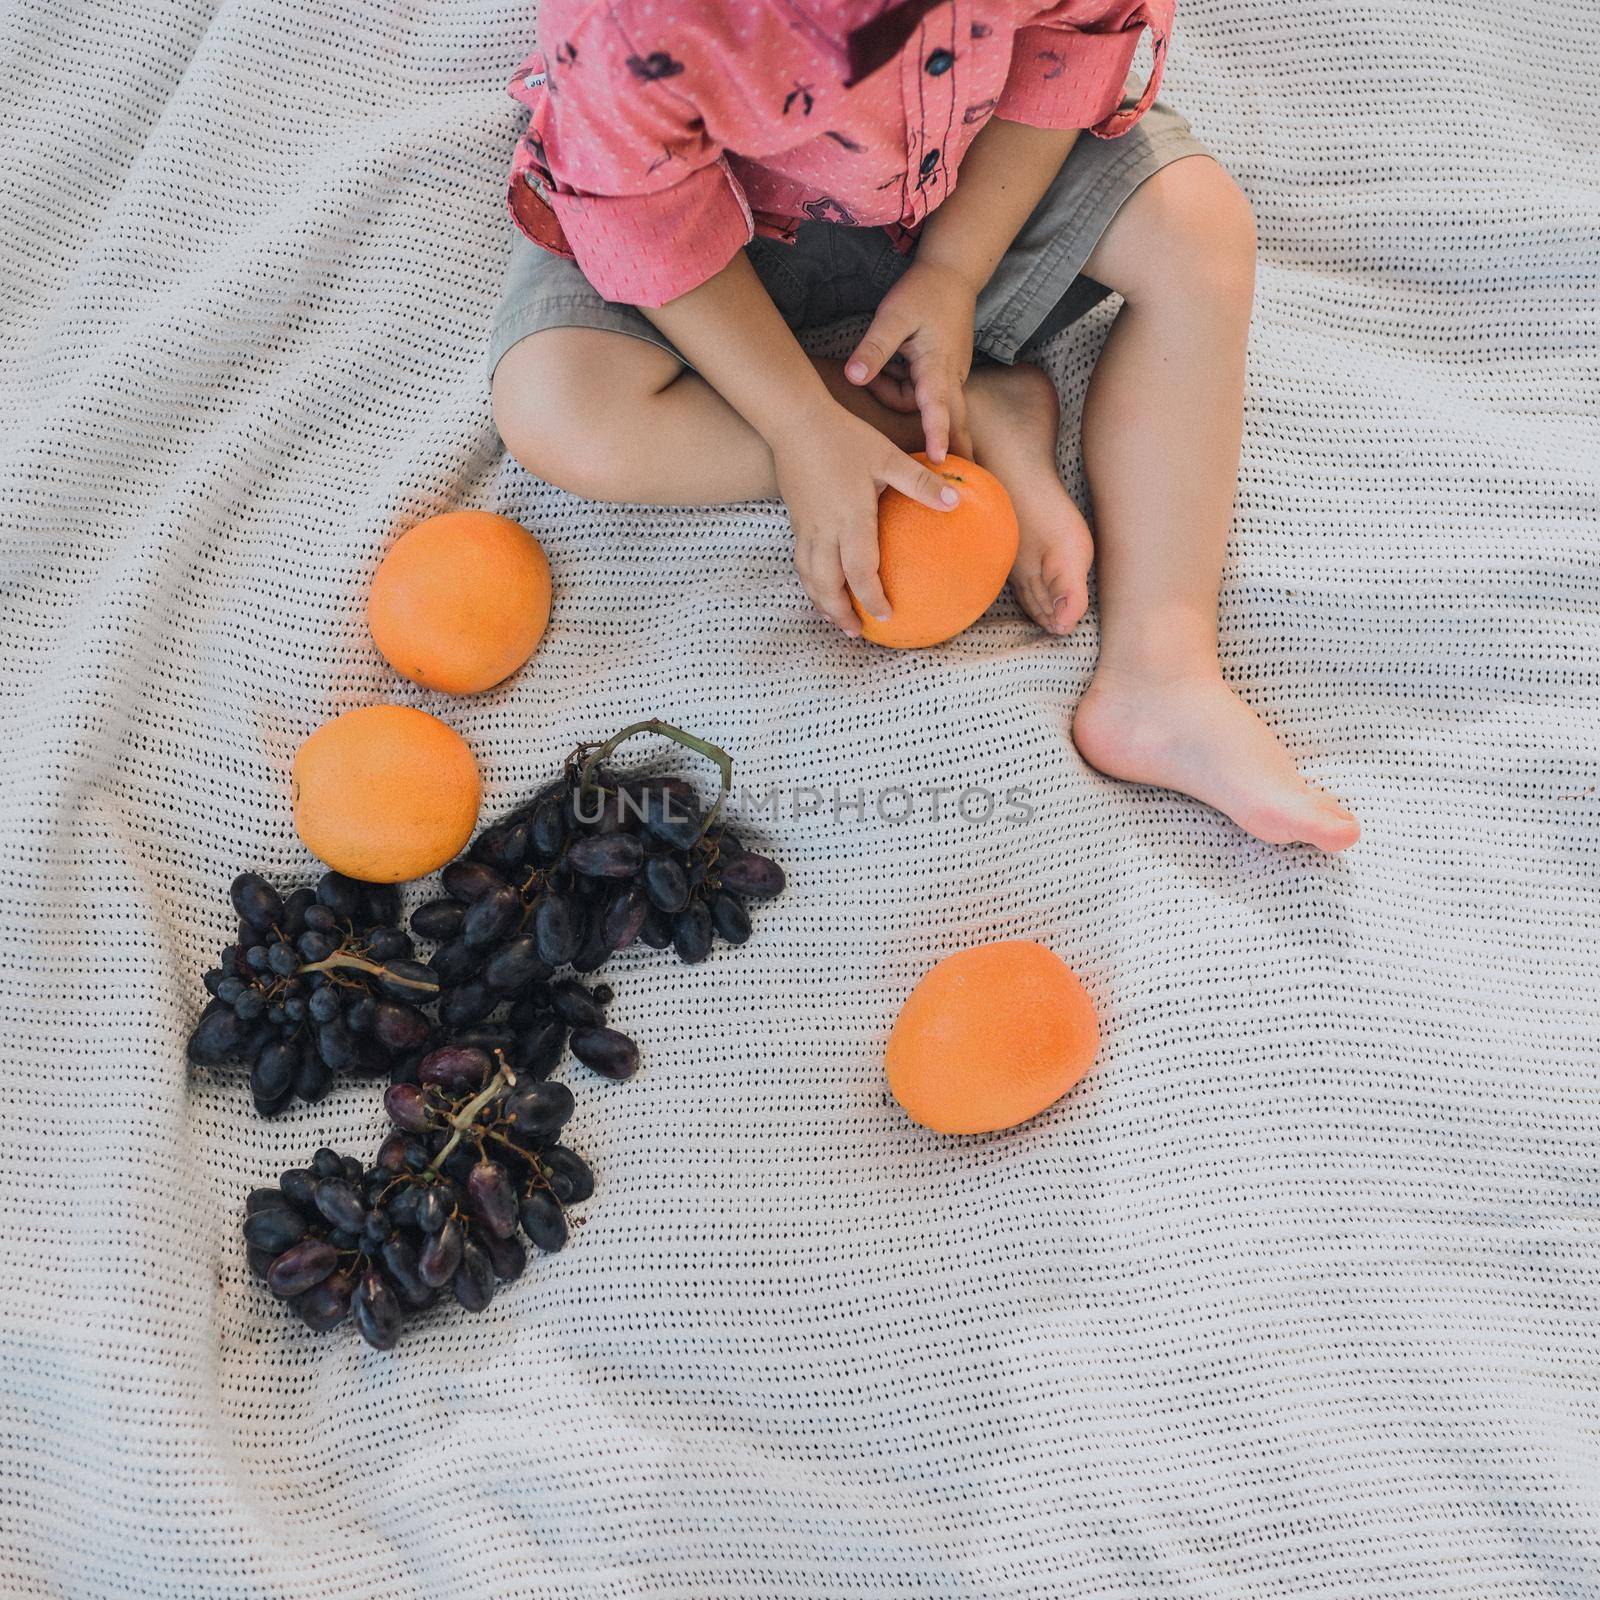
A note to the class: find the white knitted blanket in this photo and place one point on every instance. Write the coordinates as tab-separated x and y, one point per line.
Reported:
1296	1296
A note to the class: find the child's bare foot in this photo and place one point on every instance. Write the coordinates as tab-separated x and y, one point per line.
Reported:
1192	733
1013	414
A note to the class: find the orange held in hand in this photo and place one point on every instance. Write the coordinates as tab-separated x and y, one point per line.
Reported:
461	601
385	793
942	569
990	1037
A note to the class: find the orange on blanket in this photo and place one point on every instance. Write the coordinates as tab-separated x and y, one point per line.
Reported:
385	793
942	569
990	1037
461	601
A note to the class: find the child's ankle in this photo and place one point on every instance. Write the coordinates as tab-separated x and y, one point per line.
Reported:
1160	649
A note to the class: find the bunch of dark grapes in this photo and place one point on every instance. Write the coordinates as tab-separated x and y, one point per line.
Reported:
472	1167
318	981
591	865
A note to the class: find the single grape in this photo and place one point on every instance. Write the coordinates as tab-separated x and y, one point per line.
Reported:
492	916
272	1077
338	1046
493	1200
327	1163
514	966
250	1005
507	1256
345	897
283	958
325	1305
314	1077
537	1053
438	919
399	1027
568	1174
666	883
360	1010
408	1107
691	932
538	1112
457	961
389	944
431	1209
296	1187
547	829
575	1005
295	905
399	1257
377	1311
256	901
468	881
656	929
325	1004
729	917
471	1003
614	855
392	1153
441	1255
672	818
751	876
474	1280
275	1229
593	951
300	1266
456	1069
604	1050
216	1038
319	917
340	1204
382	903
624	916
553	930
543	1220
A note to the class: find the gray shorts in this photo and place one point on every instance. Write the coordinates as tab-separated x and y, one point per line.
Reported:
833	271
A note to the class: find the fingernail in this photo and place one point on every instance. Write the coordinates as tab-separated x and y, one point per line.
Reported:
950	497
856	372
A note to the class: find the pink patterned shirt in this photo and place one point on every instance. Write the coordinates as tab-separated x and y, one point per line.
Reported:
664	133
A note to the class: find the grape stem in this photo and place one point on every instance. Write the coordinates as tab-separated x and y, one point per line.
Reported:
713	753
343	958
468	1114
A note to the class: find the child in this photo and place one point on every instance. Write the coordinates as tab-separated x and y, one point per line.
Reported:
705	176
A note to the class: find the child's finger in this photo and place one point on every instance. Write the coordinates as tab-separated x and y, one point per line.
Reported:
860	552
913	479
893	392
960	432
936	391
888	332
823	580
935	428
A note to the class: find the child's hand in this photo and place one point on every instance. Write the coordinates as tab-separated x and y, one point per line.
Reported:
926	317
831	469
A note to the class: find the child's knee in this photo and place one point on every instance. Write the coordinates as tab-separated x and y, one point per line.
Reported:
567	401
1195	238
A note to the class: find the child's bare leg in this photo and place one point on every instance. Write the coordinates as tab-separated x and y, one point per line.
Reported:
612	417
1161	432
